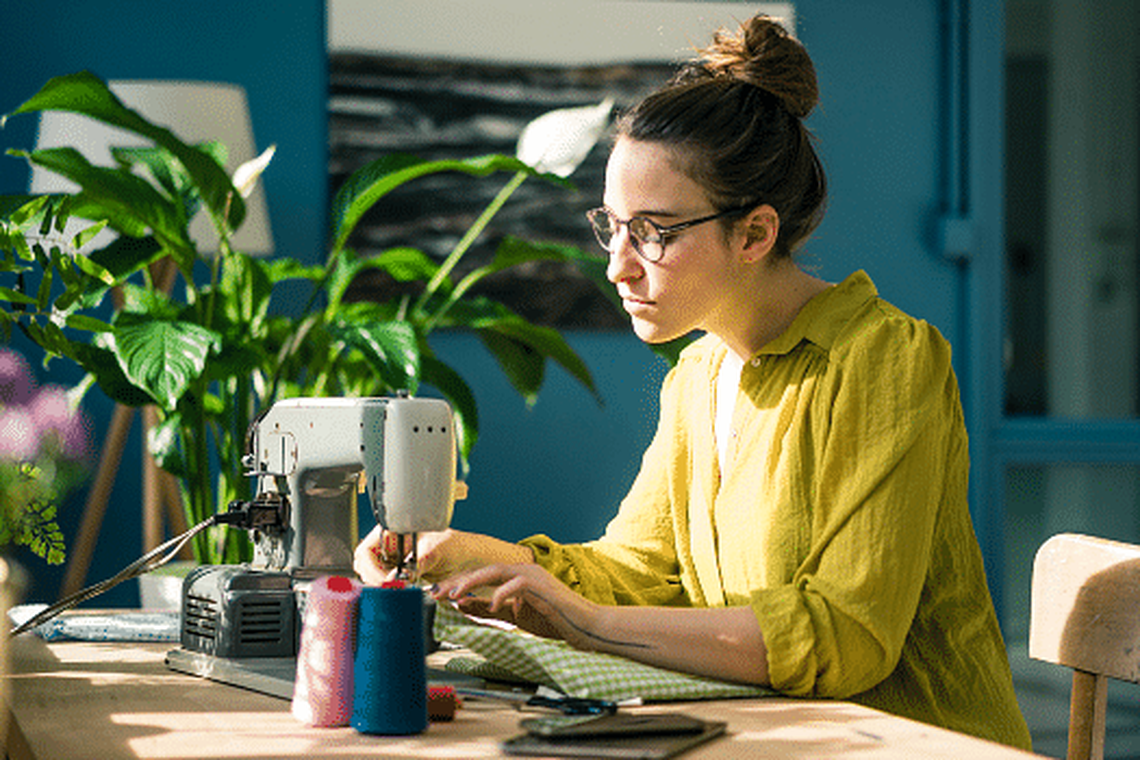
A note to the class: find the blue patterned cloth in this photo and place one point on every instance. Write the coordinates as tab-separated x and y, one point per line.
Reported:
128	625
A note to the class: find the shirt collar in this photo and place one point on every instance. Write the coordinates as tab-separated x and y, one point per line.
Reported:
824	316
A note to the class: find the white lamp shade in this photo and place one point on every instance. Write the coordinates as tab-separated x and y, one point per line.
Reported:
195	112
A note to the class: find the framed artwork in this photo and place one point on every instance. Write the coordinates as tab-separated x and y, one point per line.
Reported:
461	78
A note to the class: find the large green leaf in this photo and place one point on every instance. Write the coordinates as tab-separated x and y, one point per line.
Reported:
236	359
86	94
162	357
455	389
524	367
376	179
101	364
342	270
168	172
245	290
140	301
404	264
513	251
391	347
510	252
280	269
485	315
132	205
126	255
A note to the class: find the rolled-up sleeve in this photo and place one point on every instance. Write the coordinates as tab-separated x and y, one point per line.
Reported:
884	420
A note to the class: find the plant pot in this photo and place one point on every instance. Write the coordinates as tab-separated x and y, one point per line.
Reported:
161	589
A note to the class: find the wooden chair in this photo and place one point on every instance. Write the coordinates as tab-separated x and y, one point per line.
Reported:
1085	614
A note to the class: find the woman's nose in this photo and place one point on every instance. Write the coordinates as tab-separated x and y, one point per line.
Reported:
624	263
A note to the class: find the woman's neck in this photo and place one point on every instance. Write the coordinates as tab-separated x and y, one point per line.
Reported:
763	314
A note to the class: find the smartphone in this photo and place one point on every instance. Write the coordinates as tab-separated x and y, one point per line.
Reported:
615	724
628	737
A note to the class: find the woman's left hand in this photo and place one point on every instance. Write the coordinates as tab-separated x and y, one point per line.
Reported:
721	642
526	595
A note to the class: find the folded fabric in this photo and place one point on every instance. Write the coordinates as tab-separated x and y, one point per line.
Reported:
572	672
115	626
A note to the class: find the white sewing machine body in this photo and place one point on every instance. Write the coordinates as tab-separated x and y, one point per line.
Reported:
311	458
319	453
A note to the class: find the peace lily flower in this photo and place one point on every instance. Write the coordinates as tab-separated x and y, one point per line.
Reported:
559	141
246	176
556	143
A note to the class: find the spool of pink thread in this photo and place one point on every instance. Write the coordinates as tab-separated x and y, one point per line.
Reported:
322	692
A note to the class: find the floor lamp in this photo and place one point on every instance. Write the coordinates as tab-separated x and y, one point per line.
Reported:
195	111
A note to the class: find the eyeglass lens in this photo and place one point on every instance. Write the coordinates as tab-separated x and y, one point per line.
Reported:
646	239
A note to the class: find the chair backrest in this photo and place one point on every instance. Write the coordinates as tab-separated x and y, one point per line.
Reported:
1085	614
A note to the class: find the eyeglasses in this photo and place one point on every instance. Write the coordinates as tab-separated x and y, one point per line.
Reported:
648	237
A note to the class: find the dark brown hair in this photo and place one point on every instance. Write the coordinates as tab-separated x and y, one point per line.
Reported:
734	117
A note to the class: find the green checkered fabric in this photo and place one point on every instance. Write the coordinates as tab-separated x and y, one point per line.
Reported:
557	665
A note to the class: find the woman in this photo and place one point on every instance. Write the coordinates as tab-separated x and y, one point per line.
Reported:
800	518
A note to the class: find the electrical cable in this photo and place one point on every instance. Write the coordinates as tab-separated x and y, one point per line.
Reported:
150	561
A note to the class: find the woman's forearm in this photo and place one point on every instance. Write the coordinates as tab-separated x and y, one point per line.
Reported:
724	643
718	642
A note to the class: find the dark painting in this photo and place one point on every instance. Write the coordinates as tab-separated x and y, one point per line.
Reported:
438	109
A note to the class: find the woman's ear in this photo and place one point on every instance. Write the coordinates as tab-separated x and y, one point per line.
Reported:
760	229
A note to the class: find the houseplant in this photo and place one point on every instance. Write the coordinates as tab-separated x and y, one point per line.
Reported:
43	455
212	354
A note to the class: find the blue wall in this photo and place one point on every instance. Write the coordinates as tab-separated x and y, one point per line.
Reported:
276	51
562	466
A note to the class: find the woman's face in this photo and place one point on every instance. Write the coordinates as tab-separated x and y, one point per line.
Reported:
686	290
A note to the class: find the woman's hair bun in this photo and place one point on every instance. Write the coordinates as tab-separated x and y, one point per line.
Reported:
763	54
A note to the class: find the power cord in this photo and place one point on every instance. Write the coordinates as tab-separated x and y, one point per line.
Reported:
267	512
155	558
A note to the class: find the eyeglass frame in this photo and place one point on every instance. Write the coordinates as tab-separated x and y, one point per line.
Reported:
663	232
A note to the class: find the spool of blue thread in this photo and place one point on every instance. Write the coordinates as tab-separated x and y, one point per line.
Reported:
389	669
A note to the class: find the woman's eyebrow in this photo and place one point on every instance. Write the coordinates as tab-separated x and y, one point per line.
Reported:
658	213
648	212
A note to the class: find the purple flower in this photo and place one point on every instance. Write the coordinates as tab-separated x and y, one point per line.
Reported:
51	411
16	382
19	436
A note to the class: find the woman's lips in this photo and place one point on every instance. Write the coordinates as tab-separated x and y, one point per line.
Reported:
634	304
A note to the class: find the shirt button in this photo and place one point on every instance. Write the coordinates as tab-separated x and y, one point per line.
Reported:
756	362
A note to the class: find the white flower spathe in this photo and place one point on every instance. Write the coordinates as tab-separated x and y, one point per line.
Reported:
246	176
558	141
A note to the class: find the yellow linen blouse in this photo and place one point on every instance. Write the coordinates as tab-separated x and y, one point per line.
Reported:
842	520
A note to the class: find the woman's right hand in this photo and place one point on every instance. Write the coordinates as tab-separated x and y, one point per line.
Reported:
439	554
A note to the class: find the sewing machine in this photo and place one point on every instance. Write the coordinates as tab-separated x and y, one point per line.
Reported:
311	458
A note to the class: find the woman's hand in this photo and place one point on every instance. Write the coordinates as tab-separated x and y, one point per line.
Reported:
526	595
438	554
720	642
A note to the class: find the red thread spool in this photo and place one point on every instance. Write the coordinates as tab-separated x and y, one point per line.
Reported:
442	703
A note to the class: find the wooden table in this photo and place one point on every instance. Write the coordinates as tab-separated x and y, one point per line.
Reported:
117	700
